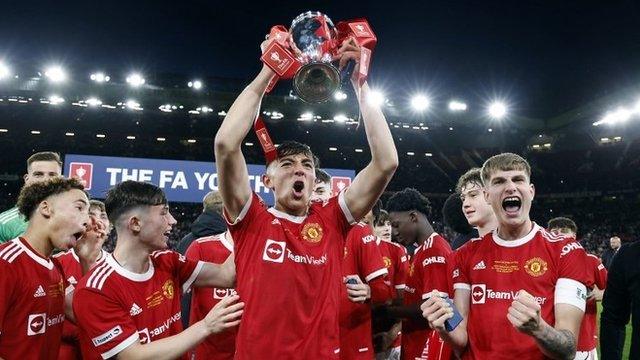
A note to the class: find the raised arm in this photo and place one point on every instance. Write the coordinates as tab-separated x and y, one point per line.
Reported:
436	311
373	179
231	166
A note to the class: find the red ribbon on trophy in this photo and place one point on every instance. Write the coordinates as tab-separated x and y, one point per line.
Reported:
268	147
285	60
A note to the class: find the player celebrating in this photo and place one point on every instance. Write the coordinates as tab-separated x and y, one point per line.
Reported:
73	270
288	256
514	282
129	305
40	166
475	207
587	341
363	265
409	211
32	305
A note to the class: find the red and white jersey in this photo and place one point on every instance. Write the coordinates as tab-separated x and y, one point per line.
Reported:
588	338
494	270
115	307
72	269
396	261
289	277
428	271
31	303
214	249
362	258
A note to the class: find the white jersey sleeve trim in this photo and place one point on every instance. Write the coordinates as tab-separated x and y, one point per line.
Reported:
345	209
123	345
242	214
401	286
376	273
462	286
427	295
572	292
187	284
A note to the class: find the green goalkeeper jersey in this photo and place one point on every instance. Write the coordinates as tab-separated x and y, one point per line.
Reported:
12	224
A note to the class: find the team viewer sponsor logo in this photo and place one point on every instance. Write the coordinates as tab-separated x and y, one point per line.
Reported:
36	324
222	293
143	336
274	251
108	336
480	294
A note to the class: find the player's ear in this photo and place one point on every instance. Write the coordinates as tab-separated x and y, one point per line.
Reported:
266	180
533	191
413	216
45	209
134	223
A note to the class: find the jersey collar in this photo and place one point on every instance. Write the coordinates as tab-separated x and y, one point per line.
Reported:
33	254
283	215
514	243
130	274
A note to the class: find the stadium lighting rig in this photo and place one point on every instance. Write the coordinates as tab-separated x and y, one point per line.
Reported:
620	115
376	97
55	74
5	72
455	105
340	95
135	80
420	103
195	84
100	77
497	110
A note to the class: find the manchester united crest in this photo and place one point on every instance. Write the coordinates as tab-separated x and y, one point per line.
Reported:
312	233
536	267
387	262
167	289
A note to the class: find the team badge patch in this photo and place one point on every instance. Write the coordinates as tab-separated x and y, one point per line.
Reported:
167	289
312	233
387	262
535	267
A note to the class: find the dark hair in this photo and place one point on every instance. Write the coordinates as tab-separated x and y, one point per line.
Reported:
32	195
288	148
409	199
44	156
97	204
453	216
131	194
473	176
381	218
562	223
322	176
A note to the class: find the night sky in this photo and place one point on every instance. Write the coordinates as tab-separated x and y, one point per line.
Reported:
545	57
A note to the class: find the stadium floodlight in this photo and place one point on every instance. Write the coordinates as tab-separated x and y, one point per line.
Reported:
93	102
4	130
135	80
133	105
55	100
131	137
410	153
191	141
101	136
333	149
307	116
69	134
455	105
161	139
359	150
100	77
5	72
376	97
55	74
35	132
497	110
195	84
420	102
428	154
620	115
340	118
340	95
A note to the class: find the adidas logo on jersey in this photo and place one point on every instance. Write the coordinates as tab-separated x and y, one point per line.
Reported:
40	292
275	222
480	266
135	310
72	280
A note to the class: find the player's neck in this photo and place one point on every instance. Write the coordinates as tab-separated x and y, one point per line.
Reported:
516	232
425	233
37	237
488	226
293	212
132	256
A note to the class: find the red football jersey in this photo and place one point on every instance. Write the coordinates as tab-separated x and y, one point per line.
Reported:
70	263
214	249
588	339
289	277
116	307
427	272
396	261
494	270
362	258
31	303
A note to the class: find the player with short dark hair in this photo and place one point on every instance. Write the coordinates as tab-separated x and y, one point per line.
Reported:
288	256
409	212
40	166
32	305
520	289
129	305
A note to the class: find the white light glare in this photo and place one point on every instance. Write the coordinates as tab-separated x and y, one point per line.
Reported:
133	105
457	106
55	100
340	95
135	80
376	97
93	102
4	71
420	103
55	74
340	118
306	116
621	114
497	110
196	84
100	77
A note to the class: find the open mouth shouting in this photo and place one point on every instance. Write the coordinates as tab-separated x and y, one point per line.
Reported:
512	205
298	187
